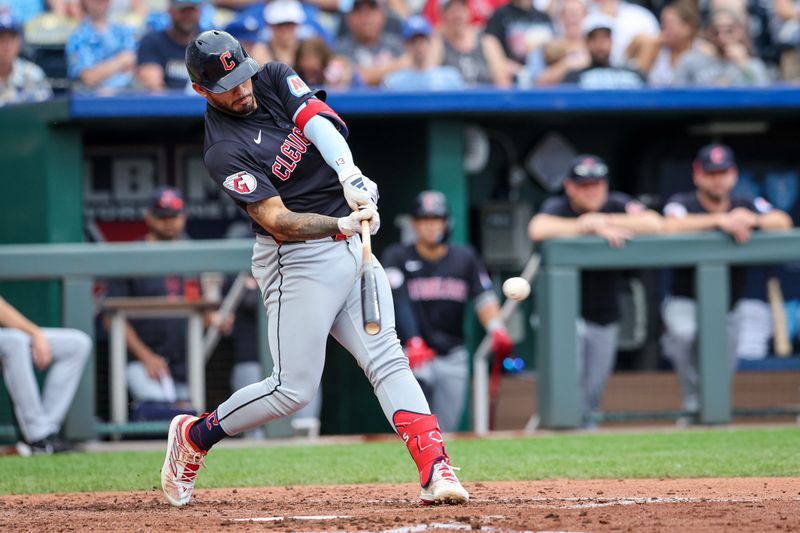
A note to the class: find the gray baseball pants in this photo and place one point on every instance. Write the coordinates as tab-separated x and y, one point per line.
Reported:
597	353
310	290
445	380
679	342
41	414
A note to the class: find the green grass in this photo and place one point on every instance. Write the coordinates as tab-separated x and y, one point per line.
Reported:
712	453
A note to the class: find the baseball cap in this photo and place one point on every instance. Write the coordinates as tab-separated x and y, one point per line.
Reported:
7	22
284	12
416	26
586	168
715	157
430	204
597	21
244	29
166	202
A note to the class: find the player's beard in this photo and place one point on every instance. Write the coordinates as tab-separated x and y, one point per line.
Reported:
716	198
240	108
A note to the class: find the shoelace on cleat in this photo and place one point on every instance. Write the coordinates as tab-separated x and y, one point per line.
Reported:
191	465
445	471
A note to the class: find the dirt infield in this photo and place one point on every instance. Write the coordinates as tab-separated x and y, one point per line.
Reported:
743	504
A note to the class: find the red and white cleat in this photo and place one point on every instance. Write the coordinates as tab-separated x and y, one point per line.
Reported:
444	486
182	462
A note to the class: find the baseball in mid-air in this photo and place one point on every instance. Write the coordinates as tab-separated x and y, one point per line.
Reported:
516	288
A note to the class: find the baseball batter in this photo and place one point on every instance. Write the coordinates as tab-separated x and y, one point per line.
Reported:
432	281
280	153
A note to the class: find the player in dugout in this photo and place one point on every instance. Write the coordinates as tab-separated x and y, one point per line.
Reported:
431	281
588	208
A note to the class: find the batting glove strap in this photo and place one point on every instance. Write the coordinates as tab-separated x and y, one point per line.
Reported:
359	190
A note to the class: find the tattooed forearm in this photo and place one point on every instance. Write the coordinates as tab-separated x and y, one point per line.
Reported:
301	226
290	226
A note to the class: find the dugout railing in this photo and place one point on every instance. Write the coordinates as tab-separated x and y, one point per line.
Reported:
557	292
76	266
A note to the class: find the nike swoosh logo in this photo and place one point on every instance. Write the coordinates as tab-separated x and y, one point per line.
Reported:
257	140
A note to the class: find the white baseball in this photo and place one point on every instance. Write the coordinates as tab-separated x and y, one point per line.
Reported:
516	288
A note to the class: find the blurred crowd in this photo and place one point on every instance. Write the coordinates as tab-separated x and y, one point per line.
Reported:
109	46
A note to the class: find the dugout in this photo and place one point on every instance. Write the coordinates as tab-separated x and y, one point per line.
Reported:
82	166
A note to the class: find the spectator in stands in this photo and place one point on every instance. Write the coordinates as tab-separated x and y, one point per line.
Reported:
729	62
712	206
284	17
785	30
157	374
20	80
587	208
318	66
629	20
373	52
600	74
24	348
755	15
162	54
565	53
521	29
479	10
657	57
421	75
101	54
247	30
478	56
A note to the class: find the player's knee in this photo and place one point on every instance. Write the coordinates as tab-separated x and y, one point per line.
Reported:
14	343
82	346
299	397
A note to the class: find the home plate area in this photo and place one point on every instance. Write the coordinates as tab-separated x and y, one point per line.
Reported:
743	504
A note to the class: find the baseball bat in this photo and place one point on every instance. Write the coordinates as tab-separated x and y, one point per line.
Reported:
780	329
370	310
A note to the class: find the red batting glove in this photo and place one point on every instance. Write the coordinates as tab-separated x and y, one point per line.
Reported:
501	342
418	352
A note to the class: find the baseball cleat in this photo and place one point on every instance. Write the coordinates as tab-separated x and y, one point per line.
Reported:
182	462
444	486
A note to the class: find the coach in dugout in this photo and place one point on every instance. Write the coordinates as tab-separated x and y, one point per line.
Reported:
587	208
156	373
712	206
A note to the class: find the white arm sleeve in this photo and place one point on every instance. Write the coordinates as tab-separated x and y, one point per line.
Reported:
331	145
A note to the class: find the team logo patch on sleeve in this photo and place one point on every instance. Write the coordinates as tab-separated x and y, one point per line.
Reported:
762	205
241	182
297	86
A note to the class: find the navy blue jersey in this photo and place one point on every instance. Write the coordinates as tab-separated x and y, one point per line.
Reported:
599	288
438	291
157	47
681	204
265	154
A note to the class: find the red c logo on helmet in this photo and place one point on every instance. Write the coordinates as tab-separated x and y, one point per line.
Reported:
227	62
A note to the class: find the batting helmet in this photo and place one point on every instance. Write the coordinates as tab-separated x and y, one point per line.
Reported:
430	204
217	62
